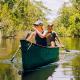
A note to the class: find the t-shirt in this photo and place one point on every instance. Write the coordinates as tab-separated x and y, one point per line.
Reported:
52	36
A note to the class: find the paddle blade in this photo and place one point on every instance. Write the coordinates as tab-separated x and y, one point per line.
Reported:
67	50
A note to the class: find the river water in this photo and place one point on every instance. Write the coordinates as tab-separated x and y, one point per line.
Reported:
67	68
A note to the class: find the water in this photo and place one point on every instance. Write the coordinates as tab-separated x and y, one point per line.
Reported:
8	72
67	68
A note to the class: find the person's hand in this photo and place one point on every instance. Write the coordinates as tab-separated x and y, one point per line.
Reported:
61	45
51	46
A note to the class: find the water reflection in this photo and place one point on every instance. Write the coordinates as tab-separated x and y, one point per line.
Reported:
8	72
8	47
61	73
76	67
41	74
71	43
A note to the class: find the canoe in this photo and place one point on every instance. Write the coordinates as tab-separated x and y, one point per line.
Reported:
35	56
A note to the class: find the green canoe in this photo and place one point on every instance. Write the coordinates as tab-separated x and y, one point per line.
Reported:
35	56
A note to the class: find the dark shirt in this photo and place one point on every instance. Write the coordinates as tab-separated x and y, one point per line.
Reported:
40	41
51	37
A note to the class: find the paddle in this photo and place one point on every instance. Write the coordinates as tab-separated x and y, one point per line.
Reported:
66	50
19	48
15	54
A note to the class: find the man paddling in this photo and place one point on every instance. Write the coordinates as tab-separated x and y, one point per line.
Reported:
39	33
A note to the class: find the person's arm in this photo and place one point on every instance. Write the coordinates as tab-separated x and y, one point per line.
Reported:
58	39
31	36
42	35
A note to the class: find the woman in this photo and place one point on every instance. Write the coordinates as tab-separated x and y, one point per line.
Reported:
52	37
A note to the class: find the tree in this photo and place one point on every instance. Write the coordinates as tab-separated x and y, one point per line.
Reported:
76	4
21	14
69	21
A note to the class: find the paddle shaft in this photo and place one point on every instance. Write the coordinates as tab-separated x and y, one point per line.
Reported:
19	48
67	50
15	54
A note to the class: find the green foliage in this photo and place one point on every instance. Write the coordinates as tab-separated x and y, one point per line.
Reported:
69	21
18	15
65	14
76	4
75	24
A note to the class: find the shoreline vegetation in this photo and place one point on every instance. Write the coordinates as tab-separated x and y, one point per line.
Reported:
29	32
21	16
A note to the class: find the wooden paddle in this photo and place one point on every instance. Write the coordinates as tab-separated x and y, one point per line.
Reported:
67	50
15	54
28	34
62	46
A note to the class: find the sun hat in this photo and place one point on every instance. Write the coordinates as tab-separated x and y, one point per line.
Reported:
38	22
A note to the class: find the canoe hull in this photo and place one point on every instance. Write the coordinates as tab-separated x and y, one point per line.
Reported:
34	56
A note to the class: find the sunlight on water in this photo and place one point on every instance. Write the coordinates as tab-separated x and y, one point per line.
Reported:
60	74
64	70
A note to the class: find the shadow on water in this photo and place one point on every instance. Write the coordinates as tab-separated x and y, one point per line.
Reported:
41	74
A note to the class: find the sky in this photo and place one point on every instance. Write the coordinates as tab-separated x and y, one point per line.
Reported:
54	5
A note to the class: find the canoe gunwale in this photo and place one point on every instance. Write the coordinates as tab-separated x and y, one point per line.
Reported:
39	45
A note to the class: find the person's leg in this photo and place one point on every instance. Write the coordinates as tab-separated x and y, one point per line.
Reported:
52	44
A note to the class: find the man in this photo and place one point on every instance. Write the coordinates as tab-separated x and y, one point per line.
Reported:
39	33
